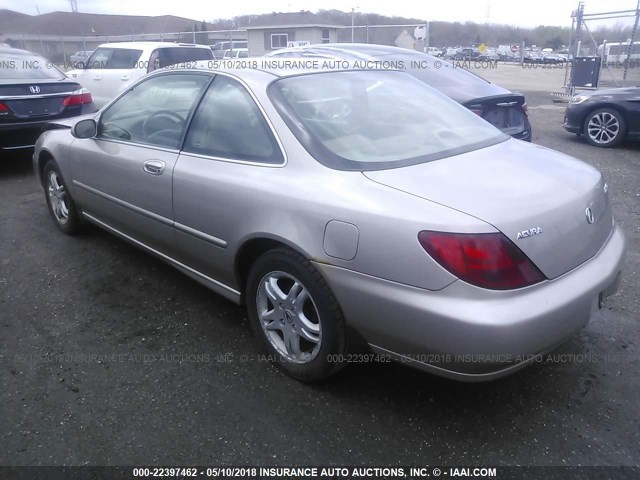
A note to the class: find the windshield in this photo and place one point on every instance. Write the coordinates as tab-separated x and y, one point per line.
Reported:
369	120
27	67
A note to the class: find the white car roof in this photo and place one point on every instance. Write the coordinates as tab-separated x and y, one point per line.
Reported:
144	45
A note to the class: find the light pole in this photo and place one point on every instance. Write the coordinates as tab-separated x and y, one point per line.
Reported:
353	22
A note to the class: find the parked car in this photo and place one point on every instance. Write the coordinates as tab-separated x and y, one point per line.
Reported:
436	52
491	54
237	53
333	202
78	59
32	92
468	54
220	48
114	66
533	57
508	56
500	107
553	58
605	117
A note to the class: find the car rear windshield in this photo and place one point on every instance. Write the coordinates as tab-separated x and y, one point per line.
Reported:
372	120
16	66
177	55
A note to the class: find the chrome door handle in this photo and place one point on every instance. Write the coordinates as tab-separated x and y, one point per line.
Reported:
154	167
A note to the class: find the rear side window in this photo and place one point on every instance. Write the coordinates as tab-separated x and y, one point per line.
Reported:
176	55
124	58
229	124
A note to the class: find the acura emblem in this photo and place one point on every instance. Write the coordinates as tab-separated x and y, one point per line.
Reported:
589	214
34	89
529	233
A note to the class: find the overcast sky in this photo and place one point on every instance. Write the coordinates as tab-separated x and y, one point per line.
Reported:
513	12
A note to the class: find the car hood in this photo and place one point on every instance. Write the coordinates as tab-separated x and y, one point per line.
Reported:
537	197
612	91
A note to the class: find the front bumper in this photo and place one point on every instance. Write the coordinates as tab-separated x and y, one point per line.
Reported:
574	118
468	333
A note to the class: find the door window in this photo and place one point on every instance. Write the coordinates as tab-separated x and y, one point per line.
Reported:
154	112
100	58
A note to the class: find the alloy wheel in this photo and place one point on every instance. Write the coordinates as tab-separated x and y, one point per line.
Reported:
603	128
57	197
289	317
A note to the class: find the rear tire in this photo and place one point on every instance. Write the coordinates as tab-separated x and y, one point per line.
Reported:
295	316
605	128
61	205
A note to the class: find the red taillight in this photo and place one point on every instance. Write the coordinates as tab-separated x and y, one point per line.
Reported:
77	98
488	260
477	111
4	108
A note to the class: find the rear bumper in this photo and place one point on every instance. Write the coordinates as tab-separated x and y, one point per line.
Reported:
20	136
23	135
525	134
471	334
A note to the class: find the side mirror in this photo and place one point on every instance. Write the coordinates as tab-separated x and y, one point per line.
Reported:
87	128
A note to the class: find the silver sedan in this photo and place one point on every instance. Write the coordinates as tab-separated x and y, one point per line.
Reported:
345	204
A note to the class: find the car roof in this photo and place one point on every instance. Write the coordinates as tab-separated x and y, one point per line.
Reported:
463	87
150	45
15	51
263	67
360	49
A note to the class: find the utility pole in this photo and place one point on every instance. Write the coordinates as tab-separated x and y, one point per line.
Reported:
366	18
579	19
353	23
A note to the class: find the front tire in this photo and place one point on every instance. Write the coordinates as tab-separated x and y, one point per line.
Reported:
605	127
295	316
61	206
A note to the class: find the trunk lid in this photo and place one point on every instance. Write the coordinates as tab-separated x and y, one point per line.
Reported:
537	197
46	99
505	112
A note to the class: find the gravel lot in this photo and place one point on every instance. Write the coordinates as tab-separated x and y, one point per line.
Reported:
145	366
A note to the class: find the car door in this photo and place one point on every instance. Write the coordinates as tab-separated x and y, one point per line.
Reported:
123	176
90	77
633	107
228	155
125	66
